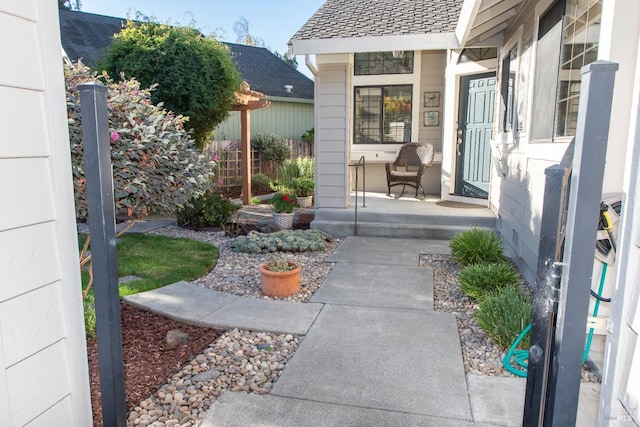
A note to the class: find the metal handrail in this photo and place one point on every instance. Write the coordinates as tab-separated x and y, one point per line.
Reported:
357	165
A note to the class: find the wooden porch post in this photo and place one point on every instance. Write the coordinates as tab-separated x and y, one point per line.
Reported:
245	121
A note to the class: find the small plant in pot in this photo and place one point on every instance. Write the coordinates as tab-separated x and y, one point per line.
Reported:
303	188
280	278
283	205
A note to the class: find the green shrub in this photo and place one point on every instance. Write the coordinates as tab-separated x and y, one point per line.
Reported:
209	210
478	280
476	246
156	165
302	187
271	147
290	170
283	240
89	316
260	183
504	314
196	75
255	201
308	137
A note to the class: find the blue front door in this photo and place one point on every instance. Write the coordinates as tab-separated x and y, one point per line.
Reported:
475	124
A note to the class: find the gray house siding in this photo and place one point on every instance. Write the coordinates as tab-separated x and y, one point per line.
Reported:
287	119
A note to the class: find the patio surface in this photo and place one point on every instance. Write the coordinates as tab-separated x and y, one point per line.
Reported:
374	351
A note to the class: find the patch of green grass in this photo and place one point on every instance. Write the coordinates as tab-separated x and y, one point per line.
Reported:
159	261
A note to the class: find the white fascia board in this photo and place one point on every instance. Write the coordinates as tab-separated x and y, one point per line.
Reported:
467	17
438	41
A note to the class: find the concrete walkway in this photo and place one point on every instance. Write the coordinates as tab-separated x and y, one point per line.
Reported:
374	352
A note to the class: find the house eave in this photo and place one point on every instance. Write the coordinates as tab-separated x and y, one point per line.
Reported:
484	20
437	41
294	100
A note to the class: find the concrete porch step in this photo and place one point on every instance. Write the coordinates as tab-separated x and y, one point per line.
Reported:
396	230
481	217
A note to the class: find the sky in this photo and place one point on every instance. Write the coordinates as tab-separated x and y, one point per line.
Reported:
274	21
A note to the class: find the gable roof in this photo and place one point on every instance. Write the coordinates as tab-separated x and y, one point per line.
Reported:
374	25
86	36
267	73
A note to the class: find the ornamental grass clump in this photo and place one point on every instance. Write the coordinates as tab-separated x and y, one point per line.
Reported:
478	280
477	246
504	314
284	203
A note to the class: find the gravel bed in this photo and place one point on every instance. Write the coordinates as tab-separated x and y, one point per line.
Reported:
237	273
238	361
480	354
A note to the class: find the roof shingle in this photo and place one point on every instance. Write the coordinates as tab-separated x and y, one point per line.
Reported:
369	18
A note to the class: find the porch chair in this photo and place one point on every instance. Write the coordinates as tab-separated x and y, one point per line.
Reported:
411	161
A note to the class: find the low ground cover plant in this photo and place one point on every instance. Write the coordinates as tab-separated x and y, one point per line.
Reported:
476	246
478	280
283	240
504	314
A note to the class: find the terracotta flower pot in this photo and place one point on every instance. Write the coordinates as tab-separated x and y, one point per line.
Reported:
280	283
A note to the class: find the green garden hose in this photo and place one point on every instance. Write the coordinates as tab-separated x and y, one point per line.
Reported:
521	356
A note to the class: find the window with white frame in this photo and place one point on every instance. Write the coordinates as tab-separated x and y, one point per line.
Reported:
568	34
382	114
508	89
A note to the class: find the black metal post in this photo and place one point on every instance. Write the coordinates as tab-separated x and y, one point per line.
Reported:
594	113
102	227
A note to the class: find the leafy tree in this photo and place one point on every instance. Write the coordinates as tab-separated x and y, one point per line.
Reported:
242	28
195	74
156	166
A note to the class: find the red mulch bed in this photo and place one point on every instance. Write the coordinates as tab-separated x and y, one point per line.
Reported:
147	363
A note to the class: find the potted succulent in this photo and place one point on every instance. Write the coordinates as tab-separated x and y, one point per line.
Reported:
280	278
283	205
303	188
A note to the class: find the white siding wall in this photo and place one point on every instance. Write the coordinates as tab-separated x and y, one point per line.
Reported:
331	146
43	364
620	392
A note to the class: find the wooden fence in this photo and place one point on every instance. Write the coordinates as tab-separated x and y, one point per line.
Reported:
229	161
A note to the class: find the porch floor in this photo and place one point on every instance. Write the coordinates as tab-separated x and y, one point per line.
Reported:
403	217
